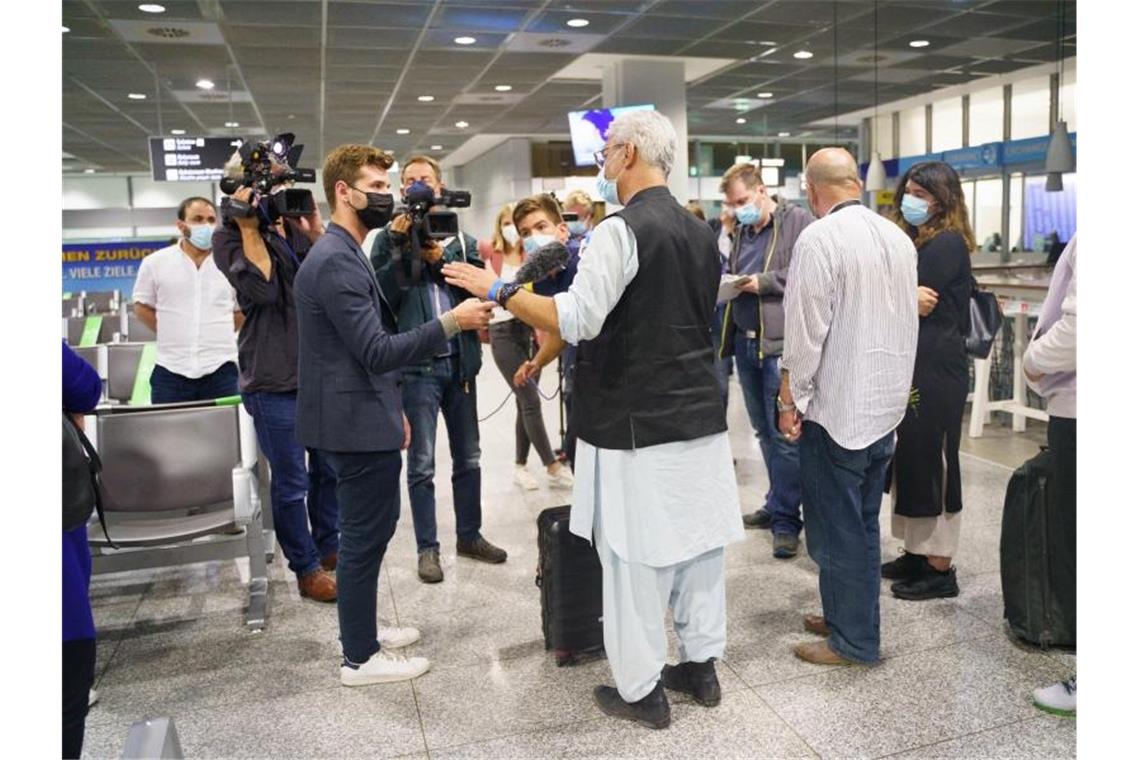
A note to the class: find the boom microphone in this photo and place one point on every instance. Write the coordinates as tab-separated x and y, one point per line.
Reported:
546	261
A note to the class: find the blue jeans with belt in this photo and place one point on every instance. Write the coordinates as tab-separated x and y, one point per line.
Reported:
275	417
425	396
843	490
368	491
760	381
168	387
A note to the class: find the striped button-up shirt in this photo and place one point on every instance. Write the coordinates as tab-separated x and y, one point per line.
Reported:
851	324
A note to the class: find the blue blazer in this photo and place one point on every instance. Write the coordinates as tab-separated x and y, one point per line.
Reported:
348	386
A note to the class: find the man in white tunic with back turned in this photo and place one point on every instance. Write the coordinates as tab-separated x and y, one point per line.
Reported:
654	484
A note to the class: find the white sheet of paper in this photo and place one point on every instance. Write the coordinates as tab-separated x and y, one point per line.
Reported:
730	285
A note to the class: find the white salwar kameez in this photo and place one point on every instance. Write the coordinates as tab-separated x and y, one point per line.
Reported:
660	516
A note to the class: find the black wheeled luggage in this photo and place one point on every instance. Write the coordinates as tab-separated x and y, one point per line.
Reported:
1032	557
570	582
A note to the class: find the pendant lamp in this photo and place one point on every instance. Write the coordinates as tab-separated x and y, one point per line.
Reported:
876	172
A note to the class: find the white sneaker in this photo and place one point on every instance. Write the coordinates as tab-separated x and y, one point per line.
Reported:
562	479
384	667
524	479
395	638
1059	699
92	698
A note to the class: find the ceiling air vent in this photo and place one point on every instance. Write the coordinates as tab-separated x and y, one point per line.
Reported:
871	59
168	32
554	43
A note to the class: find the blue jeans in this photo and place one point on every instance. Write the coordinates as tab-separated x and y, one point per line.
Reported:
843	490
723	367
168	387
760	381
425	396
274	417
368	491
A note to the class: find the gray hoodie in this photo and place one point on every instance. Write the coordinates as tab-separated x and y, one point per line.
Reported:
788	222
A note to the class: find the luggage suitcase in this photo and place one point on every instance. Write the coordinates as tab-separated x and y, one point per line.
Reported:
1029	554
570	582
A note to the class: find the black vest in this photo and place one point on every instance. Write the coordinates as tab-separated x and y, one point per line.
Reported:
648	377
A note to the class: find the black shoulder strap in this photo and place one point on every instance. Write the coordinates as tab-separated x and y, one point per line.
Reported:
96	466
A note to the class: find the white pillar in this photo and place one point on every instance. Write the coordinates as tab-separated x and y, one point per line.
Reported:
662	83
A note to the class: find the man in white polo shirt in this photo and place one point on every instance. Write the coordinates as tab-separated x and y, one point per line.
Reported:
180	294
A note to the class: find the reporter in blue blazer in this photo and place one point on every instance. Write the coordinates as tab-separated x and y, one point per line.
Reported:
348	399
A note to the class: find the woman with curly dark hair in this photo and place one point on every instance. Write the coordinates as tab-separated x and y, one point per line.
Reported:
925	481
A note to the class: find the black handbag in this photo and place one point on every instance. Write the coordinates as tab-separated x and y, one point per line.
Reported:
82	493
985	322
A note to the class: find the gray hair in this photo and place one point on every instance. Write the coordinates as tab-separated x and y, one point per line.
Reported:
651	133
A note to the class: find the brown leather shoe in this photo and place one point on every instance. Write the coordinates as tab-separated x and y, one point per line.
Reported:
328	562
817	625
318	586
819	653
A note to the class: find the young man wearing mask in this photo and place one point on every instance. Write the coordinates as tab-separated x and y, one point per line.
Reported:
752	330
262	264
443	383
348	400
180	295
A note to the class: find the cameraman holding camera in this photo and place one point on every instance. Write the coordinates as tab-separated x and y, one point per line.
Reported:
415	289
261	265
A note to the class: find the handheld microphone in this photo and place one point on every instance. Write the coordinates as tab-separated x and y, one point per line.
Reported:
547	260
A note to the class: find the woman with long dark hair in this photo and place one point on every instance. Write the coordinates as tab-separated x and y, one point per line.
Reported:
925	481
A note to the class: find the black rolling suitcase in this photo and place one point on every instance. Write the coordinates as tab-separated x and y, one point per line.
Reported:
570	582
1029	560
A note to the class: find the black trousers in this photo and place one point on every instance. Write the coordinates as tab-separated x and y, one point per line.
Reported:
78	678
1063	511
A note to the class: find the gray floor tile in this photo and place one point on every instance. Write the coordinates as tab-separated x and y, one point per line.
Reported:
909	702
742	726
1040	738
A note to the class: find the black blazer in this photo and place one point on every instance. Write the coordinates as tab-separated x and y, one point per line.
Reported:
348	395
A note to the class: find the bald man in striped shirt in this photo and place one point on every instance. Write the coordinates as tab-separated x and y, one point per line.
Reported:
851	330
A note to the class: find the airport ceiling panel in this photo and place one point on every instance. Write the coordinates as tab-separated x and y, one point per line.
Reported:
378	65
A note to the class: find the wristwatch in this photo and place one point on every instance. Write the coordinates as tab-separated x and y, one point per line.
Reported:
781	407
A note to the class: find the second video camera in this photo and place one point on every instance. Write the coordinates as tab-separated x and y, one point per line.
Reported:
419	199
265	165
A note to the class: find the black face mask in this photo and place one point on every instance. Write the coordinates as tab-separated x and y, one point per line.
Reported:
378	212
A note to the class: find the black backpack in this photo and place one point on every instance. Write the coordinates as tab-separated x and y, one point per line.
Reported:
82	493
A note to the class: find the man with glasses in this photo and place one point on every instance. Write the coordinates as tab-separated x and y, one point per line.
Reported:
443	383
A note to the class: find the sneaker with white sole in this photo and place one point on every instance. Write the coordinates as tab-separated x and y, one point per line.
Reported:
1058	699
561	479
395	638
524	479
384	667
92	698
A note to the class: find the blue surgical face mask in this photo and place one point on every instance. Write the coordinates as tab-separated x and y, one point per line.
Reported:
748	214
607	188
536	241
201	236
577	228
915	210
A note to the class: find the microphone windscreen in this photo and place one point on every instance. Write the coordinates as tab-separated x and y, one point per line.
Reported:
549	258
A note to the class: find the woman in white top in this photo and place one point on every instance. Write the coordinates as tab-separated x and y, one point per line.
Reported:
511	346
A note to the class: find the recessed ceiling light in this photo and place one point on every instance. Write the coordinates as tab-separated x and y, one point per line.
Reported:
741	120
437	147
232	124
291	116
464	40
763	94
784	134
426	98
803	55
204	84
152	8
768	43
577	23
88	171
462	124
178	131
403	131
136	95
919	43
66	29
502	88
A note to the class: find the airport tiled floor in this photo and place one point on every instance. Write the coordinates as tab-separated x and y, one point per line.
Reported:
951	684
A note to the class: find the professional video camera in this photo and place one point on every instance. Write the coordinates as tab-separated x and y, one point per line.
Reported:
266	165
426	225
